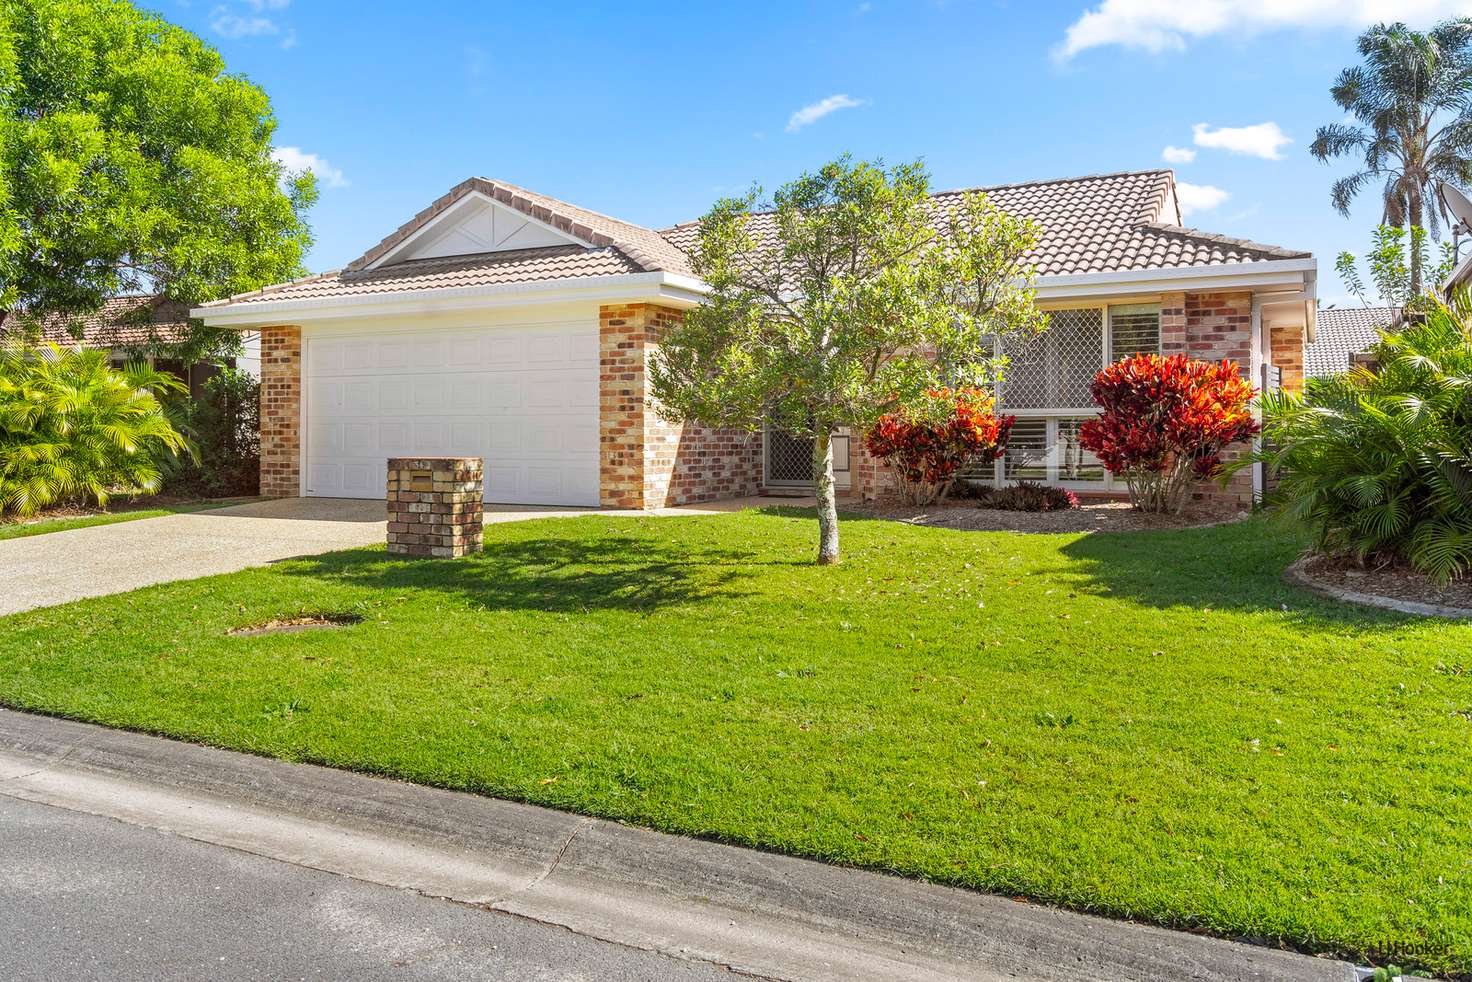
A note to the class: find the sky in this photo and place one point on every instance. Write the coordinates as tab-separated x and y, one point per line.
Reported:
649	112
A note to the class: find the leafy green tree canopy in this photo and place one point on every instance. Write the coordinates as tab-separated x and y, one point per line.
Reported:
853	297
1398	260
130	161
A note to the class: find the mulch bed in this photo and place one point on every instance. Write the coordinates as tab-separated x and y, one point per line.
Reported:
289	625
1395	581
1093	516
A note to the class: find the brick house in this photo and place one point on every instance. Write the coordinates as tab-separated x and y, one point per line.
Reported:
505	324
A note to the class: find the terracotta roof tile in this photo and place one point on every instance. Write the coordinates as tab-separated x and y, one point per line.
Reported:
1102	223
449	272
1341	332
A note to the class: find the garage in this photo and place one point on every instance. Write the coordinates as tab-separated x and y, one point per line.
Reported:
524	398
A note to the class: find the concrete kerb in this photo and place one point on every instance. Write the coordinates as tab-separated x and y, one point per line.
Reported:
758	913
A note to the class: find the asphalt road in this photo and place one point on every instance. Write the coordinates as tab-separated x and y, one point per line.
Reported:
83	897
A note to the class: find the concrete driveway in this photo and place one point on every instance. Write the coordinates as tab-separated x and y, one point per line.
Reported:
59	567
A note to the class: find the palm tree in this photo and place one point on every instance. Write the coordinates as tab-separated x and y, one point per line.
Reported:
71	428
1412	101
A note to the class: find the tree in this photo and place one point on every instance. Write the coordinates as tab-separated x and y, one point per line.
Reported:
852	297
1398	261
1412	103
1164	423
71	428
130	162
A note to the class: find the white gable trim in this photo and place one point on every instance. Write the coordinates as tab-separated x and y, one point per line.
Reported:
452	217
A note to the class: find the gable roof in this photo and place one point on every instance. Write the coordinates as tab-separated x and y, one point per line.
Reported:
121	322
644	247
1344	331
1096	224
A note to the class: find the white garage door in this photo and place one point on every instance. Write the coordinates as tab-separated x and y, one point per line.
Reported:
525	399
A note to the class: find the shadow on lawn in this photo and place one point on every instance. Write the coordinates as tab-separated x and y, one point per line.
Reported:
1237	566
553	574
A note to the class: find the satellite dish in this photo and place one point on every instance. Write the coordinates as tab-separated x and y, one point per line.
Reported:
1457	204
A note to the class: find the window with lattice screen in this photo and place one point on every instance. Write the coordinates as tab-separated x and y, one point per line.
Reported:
1134	329
1054	369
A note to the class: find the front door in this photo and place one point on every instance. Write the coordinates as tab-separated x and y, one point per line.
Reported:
788	460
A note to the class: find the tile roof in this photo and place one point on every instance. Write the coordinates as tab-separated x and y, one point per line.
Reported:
1101	223
1096	224
448	272
1343	331
121	322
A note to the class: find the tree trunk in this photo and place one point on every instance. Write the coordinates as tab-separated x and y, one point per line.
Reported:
827	499
1415	215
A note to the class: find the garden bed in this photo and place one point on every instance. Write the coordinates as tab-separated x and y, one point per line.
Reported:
1090	516
1392	587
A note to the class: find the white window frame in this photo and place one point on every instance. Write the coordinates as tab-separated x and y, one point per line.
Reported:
1055	415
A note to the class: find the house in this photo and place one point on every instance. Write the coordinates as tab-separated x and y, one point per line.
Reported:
502	323
125	326
1344	337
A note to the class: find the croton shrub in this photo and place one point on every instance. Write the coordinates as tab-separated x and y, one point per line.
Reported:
1164	422
928	444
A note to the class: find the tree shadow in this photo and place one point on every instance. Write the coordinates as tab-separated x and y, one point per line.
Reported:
553	574
1237	567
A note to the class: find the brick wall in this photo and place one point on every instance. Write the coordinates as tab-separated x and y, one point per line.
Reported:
1217	326
281	411
1286	347
647	462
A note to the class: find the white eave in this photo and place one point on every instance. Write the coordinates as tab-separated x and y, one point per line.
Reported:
671	289
1272	274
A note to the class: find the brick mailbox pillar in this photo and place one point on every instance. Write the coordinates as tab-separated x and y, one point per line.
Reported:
435	506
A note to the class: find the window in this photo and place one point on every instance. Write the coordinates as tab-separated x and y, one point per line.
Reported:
1046	386
1134	329
1054	369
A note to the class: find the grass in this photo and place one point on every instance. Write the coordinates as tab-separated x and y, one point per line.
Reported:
1150	725
20	530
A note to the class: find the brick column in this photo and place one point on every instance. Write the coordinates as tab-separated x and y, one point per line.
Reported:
1172	323
1286	351
435	506
281	411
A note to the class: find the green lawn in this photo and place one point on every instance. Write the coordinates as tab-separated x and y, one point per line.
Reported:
19	530
1150	725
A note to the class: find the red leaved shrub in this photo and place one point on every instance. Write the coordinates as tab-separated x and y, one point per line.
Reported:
1165	423
928	444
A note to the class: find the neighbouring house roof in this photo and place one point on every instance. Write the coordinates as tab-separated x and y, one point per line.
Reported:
121	322
1344	331
1097	224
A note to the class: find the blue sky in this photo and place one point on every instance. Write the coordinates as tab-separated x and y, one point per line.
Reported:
650	111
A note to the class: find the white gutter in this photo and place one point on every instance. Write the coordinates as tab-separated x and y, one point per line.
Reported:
1283	273
669	288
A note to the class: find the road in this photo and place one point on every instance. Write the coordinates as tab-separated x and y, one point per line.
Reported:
84	897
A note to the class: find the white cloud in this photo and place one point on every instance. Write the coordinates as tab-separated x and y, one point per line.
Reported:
1198	197
294	160
810	114
1178	155
1169	25
229	24
1263	140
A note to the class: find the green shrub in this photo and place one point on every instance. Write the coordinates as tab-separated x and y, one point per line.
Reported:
1376	461
73	429
1026	496
224	425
